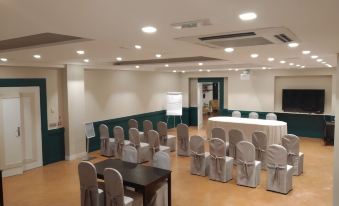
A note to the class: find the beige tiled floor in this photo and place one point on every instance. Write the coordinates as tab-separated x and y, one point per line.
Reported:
58	185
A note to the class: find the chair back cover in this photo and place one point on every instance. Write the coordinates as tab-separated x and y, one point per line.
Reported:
259	140
253	115
132	123
219	133
291	144
147	125
236	114
114	188
276	162
217	148
129	154
246	157
183	136
119	139
153	141
197	145
162	160
88	184
134	137
271	116
162	129
103	131
234	136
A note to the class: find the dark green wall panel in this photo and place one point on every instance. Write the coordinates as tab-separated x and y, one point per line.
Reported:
54	146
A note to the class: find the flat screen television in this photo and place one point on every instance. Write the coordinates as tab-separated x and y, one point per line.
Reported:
303	100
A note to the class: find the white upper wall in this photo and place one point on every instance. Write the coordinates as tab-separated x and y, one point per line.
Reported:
112	94
258	93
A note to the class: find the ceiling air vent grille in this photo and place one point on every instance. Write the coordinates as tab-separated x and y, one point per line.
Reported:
283	37
228	36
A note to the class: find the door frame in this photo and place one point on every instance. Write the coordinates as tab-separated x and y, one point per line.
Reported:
41	83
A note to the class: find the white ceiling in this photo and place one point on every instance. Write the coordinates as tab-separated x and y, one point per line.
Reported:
115	26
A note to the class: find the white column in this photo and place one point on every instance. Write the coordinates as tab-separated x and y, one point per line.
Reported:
336	141
74	88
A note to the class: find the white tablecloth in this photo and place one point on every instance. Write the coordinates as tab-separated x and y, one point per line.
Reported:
275	130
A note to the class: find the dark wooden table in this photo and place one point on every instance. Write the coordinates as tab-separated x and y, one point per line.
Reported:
143	178
1	191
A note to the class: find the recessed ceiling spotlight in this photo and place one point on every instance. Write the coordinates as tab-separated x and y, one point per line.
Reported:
319	60
236	70
324	62
174	71
166	65
230	69
328	65
200	63
229	50
183	71
293	44
271	59
208	70
37	56
158	55
269	68
119	59
137	46
291	64
314	56
298	65
4	59
263	68
149	29
282	62
254	56
137	66
86	60
248	16
200	70
80	52
302	66
306	52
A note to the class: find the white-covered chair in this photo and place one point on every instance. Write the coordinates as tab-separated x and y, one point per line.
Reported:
132	123
183	140
90	194
220	133
248	169
259	140
161	160
147	125
220	166
106	146
234	136
129	154
253	115
154	144
279	172
119	141
114	189
295	157
165	138
141	147
271	116
236	114
199	158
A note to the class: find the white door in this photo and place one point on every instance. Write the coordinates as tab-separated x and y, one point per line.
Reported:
12	157
200	105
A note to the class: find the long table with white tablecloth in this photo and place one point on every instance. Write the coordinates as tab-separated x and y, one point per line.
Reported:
275	130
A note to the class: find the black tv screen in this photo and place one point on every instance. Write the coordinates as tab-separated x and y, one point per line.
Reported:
303	100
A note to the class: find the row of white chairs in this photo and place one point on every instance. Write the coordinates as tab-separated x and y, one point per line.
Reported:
255	115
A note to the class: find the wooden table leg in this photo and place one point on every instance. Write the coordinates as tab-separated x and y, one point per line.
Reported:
1	191
169	190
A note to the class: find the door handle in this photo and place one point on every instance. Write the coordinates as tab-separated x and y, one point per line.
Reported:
18	132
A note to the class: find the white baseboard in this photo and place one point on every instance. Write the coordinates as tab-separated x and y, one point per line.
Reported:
76	156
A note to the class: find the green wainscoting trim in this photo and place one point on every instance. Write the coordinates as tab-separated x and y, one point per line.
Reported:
123	122
193	116
41	83
221	89
304	125
55	146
